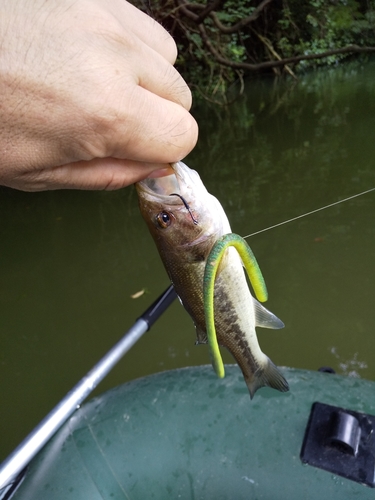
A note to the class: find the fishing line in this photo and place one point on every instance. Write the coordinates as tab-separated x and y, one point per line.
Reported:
309	213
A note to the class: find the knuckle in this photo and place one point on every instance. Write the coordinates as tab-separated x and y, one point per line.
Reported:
170	48
176	89
180	137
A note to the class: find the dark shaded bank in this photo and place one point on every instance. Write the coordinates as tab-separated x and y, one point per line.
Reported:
222	41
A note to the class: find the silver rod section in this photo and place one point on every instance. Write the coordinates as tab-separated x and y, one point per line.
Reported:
21	456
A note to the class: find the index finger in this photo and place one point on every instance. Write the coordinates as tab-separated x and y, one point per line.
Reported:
155	130
148	30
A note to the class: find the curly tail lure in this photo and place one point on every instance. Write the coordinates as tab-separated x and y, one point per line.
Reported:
212	265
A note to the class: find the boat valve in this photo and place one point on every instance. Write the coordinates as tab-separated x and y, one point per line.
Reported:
342	442
345	432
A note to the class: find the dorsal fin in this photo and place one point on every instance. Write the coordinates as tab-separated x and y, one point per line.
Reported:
264	317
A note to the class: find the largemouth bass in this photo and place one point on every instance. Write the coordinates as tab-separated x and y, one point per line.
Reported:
185	221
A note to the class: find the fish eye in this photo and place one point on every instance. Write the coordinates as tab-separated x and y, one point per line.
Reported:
163	219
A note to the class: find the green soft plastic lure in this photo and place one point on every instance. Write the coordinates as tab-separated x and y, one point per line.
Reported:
212	266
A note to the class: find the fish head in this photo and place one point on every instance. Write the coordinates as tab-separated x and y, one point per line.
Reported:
180	213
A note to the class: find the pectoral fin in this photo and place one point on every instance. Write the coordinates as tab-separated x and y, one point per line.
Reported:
265	318
223	262
201	336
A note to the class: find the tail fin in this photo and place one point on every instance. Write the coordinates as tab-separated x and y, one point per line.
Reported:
267	375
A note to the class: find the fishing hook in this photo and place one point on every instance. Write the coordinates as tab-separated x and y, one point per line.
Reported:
186	206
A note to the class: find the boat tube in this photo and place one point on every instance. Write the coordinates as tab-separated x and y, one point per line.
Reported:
186	434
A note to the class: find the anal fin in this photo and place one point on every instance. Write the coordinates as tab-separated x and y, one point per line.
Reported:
265	318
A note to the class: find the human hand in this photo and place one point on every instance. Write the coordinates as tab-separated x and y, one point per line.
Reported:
89	96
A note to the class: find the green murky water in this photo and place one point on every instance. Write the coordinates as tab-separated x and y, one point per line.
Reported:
69	261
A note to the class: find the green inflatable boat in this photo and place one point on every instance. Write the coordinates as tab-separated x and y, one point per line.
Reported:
185	434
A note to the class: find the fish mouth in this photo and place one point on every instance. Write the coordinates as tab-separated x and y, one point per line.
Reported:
160	186
183	182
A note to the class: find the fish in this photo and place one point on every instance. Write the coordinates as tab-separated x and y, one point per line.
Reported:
185	222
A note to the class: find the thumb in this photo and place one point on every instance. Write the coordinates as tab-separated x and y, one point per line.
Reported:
99	173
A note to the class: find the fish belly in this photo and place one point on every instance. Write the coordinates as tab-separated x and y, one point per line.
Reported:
235	328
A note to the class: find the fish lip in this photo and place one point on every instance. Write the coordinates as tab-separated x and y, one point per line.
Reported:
182	182
160	188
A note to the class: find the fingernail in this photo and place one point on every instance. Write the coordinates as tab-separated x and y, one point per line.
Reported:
161	172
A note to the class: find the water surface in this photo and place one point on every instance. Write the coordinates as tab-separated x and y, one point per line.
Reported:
70	261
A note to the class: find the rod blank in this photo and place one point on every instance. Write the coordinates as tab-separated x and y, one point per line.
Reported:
30	446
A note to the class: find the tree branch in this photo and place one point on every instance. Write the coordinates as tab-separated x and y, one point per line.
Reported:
227	30
207	10
282	62
271	50
184	7
187	9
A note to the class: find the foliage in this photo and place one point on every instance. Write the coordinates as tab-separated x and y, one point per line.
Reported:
222	41
325	26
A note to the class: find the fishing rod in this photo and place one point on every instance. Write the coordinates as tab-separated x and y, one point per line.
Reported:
29	447
309	213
